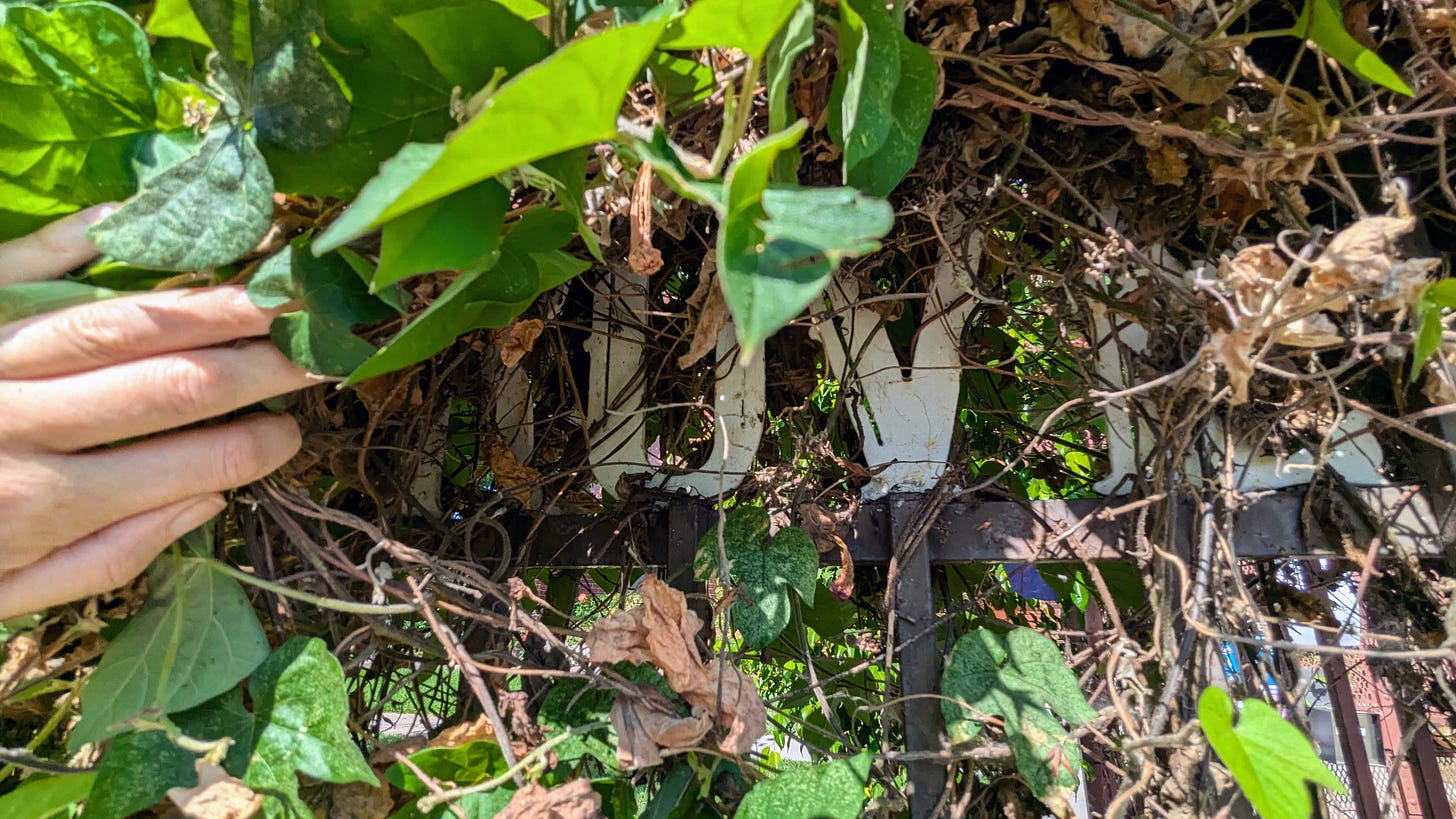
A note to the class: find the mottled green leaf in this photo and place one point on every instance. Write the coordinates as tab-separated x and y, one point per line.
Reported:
461	231
568	100
749	25
831	790
297	104
139	767
19	301
1269	758
205	211
43	797
1023	679
1323	23
195	638
302	708
765	571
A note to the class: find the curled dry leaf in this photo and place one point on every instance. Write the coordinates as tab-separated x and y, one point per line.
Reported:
574	800
361	800
662	632
1079	33
648	722
216	796
710	323
1233	352
518	339
511	475
824	525
642	257
1368	257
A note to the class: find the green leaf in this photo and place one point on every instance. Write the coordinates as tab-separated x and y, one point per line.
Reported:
195	638
1269	758
796	36
461	231
569	100
302	707
749	25
863	93
464	765
527	266
395	176
674	791
1023	679
662	155
19	301
766	571
1426	318
468	44
77	87
777	248
205	211
577	11
909	117
42	797
175	18
567	173
139	767
297	104
332	300
1323	23
832	790
1440	294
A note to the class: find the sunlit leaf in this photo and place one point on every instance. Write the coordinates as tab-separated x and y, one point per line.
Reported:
458	232
1269	758
1323	23
44	797
831	790
749	25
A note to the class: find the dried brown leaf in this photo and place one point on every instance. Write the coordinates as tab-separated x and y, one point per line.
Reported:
642	257
517	340
511	475
1368	256
1233	352
648	723
361	800
709	324
216	796
574	800
1080	34
1197	77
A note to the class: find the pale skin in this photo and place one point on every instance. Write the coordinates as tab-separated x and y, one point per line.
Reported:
79	515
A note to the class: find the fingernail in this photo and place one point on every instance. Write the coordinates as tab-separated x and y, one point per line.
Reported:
96	213
194	515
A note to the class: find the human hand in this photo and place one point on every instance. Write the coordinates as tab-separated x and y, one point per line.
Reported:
78	517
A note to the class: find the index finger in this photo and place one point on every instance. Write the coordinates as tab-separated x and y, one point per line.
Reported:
51	251
114	331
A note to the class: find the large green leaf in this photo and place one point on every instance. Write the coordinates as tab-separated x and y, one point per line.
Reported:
175	18
765	568
566	101
777	248
195	638
832	790
77	87
459	232
1023	679
331	299
302	709
468	44
749	25
1426	318
463	765
140	767
205	211
1323	23
1269	758
43	797
528	264
882	97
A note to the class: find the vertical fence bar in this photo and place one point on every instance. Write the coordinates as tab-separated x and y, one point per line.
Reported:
1352	740
1430	790
919	668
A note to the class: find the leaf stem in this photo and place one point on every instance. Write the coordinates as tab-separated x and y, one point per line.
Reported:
332	604
431	801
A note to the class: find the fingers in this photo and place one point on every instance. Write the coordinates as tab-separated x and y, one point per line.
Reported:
102	561
56	248
69	497
99	334
76	412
